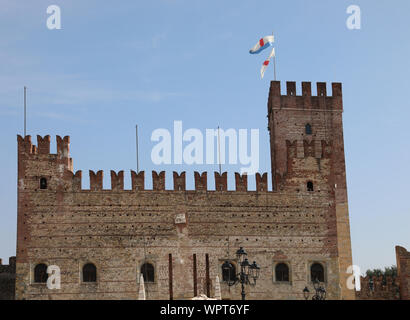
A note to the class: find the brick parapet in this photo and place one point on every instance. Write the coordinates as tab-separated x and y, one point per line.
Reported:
8	279
403	271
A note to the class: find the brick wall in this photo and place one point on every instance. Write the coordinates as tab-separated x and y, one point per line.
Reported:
117	229
8	279
403	271
378	288
388	288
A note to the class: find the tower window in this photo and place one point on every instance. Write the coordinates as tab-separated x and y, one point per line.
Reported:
89	273
147	270
317	272
43	183
308	129
282	272
228	272
40	273
310	186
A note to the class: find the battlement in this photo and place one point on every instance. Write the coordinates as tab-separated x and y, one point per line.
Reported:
12	264
305	148
306	100
25	146
8	279
378	288
158	181
74	180
295	149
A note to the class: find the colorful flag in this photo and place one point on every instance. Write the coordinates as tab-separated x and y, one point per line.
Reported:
266	62
262	44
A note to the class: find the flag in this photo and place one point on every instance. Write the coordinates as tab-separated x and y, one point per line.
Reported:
266	62
262	44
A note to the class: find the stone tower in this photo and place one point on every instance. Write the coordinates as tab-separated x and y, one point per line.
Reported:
38	170
303	128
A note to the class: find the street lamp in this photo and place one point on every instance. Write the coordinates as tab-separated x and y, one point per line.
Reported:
248	271
306	293
254	271
320	291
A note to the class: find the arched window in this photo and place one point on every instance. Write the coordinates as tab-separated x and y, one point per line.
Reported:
40	273
308	129
317	272
310	186
147	271
43	183
228	272
282	272
89	273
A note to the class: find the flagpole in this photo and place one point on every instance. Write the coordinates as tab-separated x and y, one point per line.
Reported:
138	163
219	153
274	64
25	110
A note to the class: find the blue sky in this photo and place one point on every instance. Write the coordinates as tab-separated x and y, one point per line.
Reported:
115	64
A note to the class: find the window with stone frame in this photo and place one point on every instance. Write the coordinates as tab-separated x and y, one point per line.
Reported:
43	183
317	272
40	273
89	273
282	272
148	272
308	129
229	273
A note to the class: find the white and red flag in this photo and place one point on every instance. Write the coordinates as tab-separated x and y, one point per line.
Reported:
266	62
262	44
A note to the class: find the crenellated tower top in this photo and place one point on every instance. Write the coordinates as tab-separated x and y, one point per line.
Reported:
306	100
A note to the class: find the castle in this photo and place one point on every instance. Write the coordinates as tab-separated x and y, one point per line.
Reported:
103	240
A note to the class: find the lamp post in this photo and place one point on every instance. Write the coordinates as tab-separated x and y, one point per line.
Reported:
320	291
248	274
306	293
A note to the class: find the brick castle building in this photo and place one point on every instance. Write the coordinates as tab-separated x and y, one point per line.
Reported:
103	240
